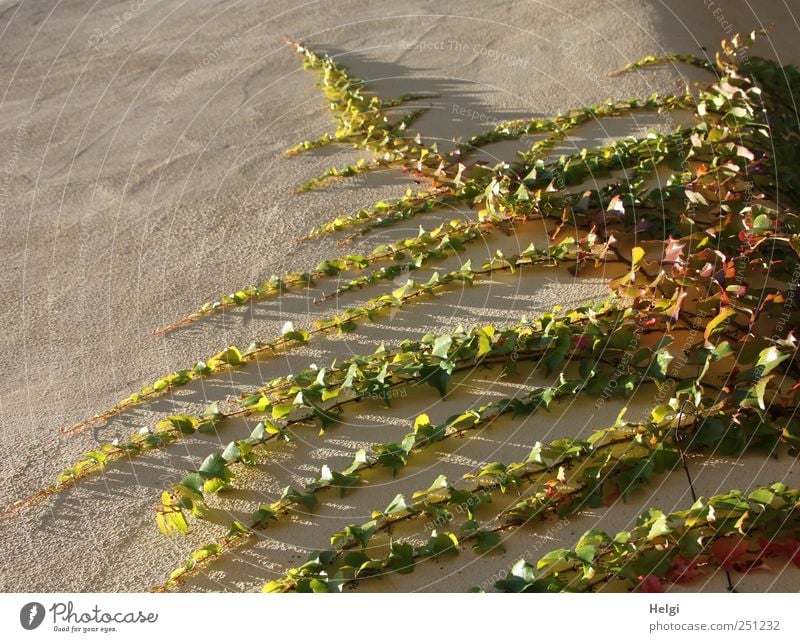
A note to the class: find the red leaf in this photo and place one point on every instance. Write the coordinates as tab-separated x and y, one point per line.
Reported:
649	584
610	497
683	571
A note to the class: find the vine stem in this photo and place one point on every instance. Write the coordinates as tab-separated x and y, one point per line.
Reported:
282	343
242	538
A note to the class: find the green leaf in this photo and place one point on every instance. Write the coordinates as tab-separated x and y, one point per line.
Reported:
237	528
361	534
659	526
653	562
232	452
359	461
176	521
256	403
230	356
290	334
439	484
485	336
205	552
280	411
184	423
769	359
201	368
397	505
214	485
762	223
717	324
331	268
401	558
259	433
264	513
97	457
327	418
193	481
436	377
755	396
309	500
441	345
487	541
524	571
586	553
660	413
441	543
212	411
762	496
213	466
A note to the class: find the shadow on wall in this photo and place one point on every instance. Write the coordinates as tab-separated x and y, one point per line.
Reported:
456	109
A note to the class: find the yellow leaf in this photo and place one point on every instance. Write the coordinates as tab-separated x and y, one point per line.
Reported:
162	524
637	254
717	321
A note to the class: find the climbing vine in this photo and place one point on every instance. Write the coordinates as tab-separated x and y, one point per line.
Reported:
701	228
733	531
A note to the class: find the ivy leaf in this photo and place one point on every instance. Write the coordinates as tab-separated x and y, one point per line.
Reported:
717	324
421	421
441	345
184	423
586	553
193	481
256	403
355	558
659	526
205	552
201	368
523	571
637	254
327	418
259	433
487	541
359	461
485	336
439	484
762	223
279	411
659	414
440	544
755	395
425	432
331	268
213	467
660	365
722	351
769	359
232	356
176	521
236	529
437	377
762	496
397	505
339	480
401	558
214	485
361	534
653	562
309	500
290	334
232	452
263	514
